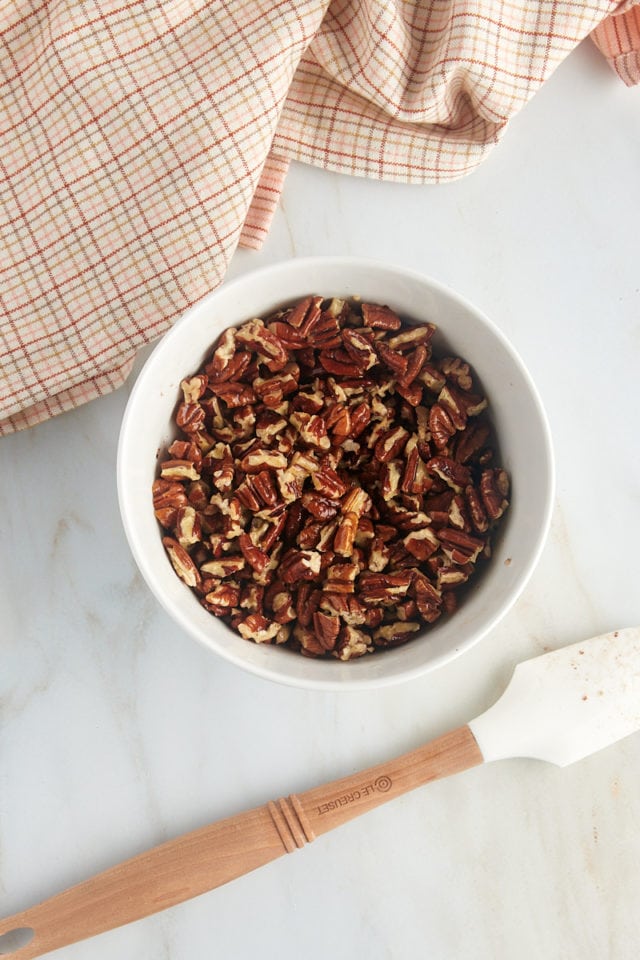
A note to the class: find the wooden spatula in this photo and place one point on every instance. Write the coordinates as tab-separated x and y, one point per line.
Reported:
559	707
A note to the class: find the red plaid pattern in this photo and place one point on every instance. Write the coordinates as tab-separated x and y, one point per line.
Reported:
141	141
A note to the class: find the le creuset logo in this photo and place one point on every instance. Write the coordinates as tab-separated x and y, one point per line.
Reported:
379	785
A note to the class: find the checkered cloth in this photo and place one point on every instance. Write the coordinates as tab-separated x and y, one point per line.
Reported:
142	140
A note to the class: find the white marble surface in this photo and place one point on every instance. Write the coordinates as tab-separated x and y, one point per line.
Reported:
117	731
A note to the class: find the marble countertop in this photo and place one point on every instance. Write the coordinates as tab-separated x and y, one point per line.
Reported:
117	731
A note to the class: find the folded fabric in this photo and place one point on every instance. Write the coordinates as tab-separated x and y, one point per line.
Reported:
141	141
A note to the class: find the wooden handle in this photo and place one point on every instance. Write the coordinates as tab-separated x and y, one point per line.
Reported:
213	855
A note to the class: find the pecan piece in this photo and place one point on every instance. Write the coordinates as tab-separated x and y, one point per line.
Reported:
311	429
391	444
225	349
258	628
360	418
266	344
396	362
235	369
427	597
476	510
168	493
280	599
380	317
441	426
412	392
352	643
223	566
337	361
320	507
328	483
308	307
255	557
326	629
460	546
413	336
494	489
358	346
188	528
458	371
323	331
455	475
384	588
414	366
341	578
393	634
300	565
186	450
234	394
346	534
190	417
222	599
258	460
421	544
291	338
182	562
194	387
471	441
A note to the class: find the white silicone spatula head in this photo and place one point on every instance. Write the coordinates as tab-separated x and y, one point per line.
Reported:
567	704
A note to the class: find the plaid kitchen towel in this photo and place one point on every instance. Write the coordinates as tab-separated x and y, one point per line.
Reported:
142	140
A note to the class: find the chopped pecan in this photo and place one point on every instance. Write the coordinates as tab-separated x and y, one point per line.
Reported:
299	565
339	362
326	629
258	628
341	577
391	444
307	602
380	317
190	417
454	474
494	489
393	634
413	336
188	528
328	483
441	426
320	507
235	369
222	599
414	365
266	344
168	493
458	371
233	394
332	484
459	546
223	566
358	346
352	643
396	362
256	461
422	543
476	510
254	556
182	562
384	588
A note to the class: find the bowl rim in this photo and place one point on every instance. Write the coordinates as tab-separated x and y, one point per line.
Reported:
332	682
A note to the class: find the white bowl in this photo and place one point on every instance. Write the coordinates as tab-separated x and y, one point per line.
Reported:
514	406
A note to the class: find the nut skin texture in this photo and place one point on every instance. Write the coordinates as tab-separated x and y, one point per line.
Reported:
333	484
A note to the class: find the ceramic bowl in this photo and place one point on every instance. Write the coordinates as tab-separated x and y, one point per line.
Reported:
516	412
